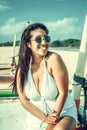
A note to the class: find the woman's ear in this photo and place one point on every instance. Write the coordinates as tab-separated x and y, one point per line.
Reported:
28	44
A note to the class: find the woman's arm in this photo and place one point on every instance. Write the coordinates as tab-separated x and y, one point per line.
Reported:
60	74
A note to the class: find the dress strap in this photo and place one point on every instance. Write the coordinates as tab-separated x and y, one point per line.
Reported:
30	62
44	62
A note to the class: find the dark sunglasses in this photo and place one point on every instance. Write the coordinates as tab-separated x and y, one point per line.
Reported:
39	39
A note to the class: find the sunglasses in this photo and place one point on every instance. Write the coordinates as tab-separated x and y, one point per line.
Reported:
39	39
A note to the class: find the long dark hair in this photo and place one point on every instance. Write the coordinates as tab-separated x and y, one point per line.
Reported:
25	53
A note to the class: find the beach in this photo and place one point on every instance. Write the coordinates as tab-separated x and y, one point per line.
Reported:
69	57
12	114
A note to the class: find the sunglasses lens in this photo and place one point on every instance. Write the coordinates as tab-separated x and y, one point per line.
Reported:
38	40
47	38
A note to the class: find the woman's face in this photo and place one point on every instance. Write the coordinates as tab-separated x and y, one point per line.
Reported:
38	44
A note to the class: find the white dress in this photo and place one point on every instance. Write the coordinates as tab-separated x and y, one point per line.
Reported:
45	101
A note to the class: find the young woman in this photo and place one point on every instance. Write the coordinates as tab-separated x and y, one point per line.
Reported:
41	81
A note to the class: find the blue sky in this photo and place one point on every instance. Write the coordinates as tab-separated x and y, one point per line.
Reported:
64	18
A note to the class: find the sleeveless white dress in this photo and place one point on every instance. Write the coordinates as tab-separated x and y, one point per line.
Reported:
45	101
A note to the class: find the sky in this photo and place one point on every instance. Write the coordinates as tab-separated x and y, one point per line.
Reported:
64	18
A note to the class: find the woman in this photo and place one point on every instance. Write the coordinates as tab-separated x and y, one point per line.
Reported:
41	81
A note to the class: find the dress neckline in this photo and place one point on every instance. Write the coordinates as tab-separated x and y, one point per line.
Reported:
44	64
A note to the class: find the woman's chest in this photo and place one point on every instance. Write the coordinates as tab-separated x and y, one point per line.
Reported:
45	88
37	76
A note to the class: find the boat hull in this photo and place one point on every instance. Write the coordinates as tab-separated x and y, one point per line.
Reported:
6	78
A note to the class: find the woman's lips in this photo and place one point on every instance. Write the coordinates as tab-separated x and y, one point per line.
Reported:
43	47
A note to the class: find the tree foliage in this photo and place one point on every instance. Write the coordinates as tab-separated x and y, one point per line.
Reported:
71	43
10	43
66	43
56	43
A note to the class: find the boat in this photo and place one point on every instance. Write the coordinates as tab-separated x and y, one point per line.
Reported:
6	78
7	92
7	75
6	68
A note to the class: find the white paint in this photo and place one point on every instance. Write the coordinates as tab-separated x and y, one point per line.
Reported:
81	62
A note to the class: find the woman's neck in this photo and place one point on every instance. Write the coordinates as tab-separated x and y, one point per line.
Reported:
37	59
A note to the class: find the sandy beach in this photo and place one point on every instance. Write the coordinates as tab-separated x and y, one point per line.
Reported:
69	57
12	114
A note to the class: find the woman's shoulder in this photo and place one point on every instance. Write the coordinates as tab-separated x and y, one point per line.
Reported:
56	62
53	56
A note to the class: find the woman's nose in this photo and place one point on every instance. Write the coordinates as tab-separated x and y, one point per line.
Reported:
43	41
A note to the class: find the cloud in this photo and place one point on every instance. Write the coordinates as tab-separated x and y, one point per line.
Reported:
60	29
4	6
62	24
64	28
11	27
11	21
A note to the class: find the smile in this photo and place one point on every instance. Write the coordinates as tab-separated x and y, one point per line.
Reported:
43	47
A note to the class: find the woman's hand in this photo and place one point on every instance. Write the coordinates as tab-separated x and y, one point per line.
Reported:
52	118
